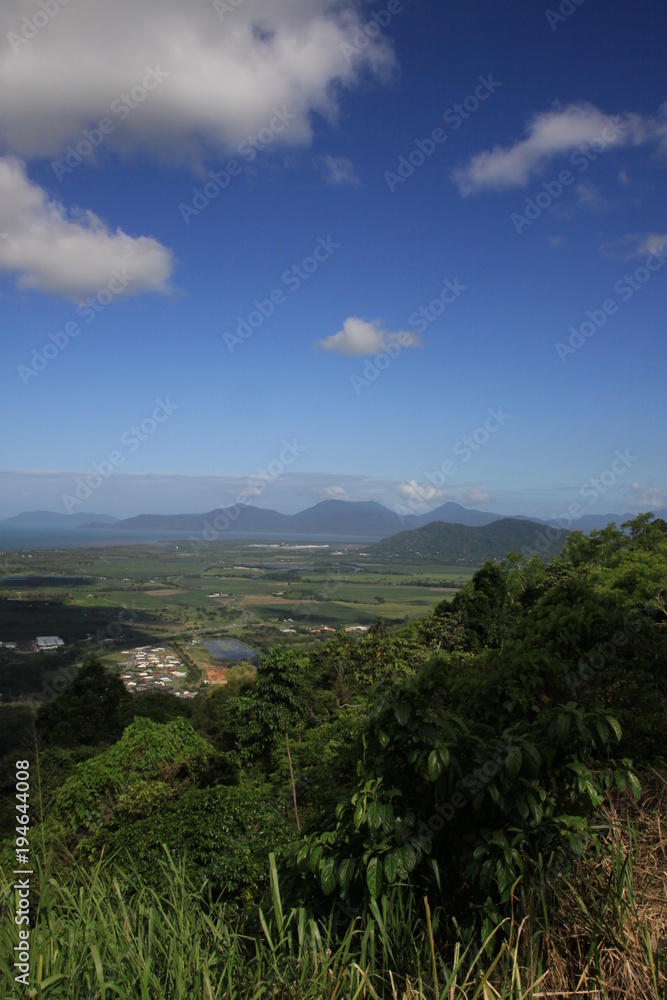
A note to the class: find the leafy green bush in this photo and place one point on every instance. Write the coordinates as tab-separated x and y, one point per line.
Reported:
224	835
88	711
276	702
147	759
501	749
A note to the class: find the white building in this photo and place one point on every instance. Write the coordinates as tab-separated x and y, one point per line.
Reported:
49	642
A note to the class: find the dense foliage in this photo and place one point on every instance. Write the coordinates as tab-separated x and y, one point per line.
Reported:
456	757
460	543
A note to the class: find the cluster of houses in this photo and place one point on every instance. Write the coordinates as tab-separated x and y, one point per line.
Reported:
152	668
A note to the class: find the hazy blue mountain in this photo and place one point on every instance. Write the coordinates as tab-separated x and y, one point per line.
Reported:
52	519
592	522
363	519
344	517
454	513
330	517
239	519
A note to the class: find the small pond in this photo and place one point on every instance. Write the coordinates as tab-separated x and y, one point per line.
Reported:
229	649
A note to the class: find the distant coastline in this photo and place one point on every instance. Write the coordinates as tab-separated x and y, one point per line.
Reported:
23	537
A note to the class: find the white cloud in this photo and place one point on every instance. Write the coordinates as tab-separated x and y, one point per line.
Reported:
361	338
649	243
475	495
636	245
648	497
335	493
226	72
551	134
412	490
73	254
340	170
556	241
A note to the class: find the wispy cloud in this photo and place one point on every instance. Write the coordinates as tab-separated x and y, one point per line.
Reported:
590	197
339	170
551	134
635	245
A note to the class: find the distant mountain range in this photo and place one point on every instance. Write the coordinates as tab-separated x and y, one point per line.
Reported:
363	519
471	546
50	519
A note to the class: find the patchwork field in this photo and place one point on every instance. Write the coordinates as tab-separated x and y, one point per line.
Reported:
116	598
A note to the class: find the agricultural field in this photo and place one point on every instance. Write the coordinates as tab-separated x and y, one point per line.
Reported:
114	599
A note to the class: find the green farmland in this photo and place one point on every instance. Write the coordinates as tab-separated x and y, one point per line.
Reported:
112	599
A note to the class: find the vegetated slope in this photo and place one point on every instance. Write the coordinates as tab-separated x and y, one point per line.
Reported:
458	543
489	757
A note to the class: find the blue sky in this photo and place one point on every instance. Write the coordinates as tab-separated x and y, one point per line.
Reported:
499	167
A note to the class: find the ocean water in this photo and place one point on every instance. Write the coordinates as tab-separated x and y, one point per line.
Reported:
17	538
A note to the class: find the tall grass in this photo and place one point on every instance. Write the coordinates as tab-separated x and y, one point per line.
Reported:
101	933
97	934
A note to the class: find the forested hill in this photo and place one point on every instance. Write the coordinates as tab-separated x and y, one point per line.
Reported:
501	760
458	543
